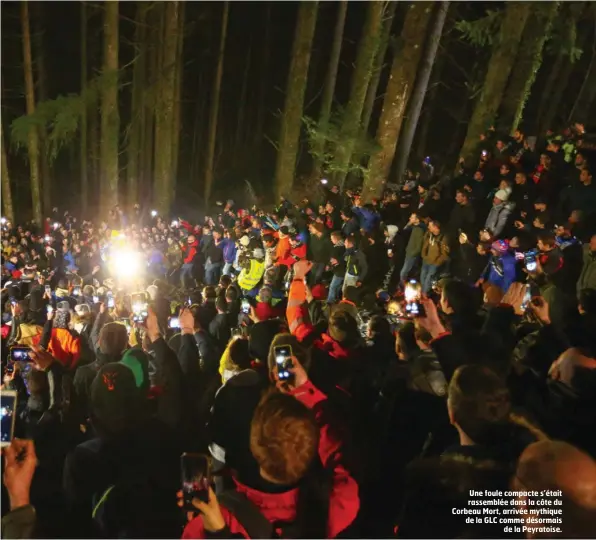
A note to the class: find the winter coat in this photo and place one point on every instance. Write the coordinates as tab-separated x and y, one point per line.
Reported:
435	249
497	218
190	252
587	278
415	241
231	415
501	271
320	248
296	254
65	346
229	250
281	506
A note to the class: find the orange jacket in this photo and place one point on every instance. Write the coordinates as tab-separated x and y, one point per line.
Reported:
282	250
65	347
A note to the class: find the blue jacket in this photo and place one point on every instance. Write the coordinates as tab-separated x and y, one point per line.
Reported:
229	250
501	271
368	218
69	262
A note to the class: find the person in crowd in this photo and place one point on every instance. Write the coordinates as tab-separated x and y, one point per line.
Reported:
499	214
434	401
417	224
434	253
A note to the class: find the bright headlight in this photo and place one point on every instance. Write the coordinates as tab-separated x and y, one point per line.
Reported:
125	263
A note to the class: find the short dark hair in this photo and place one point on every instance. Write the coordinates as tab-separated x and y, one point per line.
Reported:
347	212
547	238
459	296
480	403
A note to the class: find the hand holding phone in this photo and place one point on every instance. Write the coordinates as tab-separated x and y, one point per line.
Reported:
8	408
245	306
284	364
20	354
196	478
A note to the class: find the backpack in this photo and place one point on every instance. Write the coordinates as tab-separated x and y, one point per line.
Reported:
250	517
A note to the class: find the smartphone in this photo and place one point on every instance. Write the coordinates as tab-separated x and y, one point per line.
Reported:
111	302
138	298
527	299
412	294
96	299
9	368
174	322
48	289
196	477
283	360
20	354
140	316
245	306
77	291
8	407
125	322
530	261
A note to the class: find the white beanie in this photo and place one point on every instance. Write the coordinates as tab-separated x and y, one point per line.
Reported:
502	195
245	240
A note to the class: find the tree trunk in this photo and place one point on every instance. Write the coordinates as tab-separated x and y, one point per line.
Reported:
398	91
178	97
419	90
137	128
33	146
164	111
501	62
367	50
263	81
83	148
7	207
527	64
214	111
329	86
295	89
238	143
585	99
110	118
371	92
42	95
428	107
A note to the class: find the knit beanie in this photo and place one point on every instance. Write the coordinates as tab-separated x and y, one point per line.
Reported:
502	195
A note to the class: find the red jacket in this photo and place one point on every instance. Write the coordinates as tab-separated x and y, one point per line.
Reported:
296	254
190	251
344	501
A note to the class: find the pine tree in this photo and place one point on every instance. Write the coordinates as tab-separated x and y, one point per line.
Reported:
84	128
164	110
137	127
33	146
500	65
363	70
110	118
7	207
329	85
214	111
527	64
371	92
399	88
294	102
419	90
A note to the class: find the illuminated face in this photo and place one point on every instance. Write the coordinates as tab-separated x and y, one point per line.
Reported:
520	178
478	176
585	177
460	198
